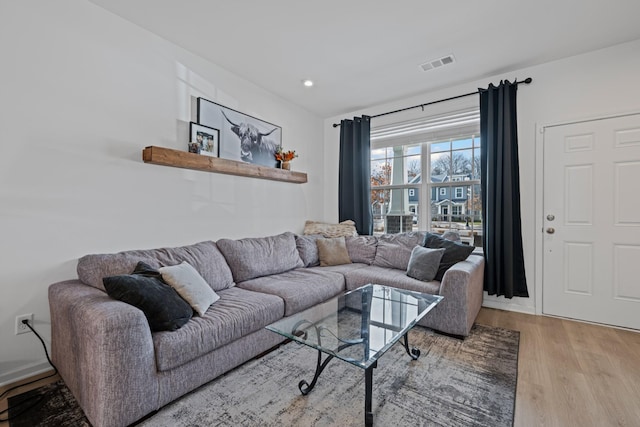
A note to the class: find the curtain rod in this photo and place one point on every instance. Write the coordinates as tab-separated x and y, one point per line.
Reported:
526	81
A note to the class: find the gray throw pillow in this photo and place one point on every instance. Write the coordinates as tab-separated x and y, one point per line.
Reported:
424	263
454	252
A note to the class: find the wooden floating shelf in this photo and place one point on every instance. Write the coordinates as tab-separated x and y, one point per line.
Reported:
184	159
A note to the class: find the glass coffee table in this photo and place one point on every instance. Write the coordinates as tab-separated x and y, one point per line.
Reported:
357	327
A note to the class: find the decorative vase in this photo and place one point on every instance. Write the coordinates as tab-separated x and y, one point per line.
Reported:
285	165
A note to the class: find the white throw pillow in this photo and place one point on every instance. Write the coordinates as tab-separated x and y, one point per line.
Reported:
190	286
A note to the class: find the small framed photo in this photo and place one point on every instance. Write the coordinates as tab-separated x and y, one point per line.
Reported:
204	140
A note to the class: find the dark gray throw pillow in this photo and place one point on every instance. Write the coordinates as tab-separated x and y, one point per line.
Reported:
454	252
164	309
424	263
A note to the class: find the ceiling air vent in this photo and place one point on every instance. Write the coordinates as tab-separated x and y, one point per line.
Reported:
436	63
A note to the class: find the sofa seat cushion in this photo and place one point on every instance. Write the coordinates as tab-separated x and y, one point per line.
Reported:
389	277
204	257
237	313
342	269
300	288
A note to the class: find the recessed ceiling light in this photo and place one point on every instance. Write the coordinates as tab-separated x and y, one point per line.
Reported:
307	83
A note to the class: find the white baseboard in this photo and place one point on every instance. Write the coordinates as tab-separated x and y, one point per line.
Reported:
508	306
23	372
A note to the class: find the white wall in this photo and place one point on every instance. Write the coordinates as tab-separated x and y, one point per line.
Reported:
82	93
596	84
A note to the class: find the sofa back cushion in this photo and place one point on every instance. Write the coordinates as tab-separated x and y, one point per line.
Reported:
362	249
308	249
204	257
261	256
394	250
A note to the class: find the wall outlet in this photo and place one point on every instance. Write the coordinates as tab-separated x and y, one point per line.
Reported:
21	328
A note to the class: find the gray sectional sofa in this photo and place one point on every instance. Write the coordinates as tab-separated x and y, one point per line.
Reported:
120	371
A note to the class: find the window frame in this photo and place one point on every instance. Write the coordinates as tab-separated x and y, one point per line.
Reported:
384	138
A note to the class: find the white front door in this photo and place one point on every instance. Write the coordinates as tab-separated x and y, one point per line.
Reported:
591	243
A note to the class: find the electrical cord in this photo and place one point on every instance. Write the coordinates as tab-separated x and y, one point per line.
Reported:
4	393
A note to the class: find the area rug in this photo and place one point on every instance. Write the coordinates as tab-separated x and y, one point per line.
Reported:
470	382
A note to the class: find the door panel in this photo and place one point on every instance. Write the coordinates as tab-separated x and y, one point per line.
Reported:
591	229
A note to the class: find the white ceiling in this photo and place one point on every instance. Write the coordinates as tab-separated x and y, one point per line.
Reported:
365	52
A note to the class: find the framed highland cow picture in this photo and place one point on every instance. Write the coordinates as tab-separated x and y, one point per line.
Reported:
242	137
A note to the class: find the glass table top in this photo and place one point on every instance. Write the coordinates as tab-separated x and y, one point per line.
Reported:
359	326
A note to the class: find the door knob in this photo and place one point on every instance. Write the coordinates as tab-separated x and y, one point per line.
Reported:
551	230
550	217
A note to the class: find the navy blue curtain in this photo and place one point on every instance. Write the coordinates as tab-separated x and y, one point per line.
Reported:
500	182
354	181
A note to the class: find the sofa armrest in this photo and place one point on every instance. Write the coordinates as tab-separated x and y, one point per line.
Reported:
104	352
462	289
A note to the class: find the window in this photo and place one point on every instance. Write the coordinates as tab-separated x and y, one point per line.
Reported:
450	199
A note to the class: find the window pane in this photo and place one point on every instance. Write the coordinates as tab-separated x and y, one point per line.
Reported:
461	165
462	143
379	203
475	164
476	141
440	166
395	211
378	154
440	146
380	173
414	149
414	169
457	208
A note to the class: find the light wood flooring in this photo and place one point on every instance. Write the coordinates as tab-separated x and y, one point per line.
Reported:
572	373
569	373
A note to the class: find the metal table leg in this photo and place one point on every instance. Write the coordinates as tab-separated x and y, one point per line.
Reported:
368	388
